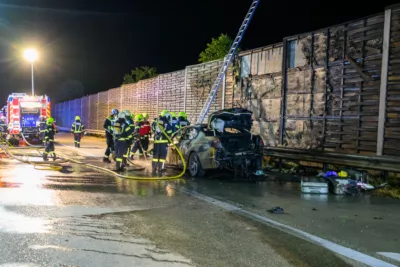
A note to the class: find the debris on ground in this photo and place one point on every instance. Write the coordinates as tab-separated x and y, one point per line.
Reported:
276	210
341	183
314	185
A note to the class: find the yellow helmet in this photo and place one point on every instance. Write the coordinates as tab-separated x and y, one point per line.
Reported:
182	114
77	118
138	117
173	114
164	113
50	120
145	115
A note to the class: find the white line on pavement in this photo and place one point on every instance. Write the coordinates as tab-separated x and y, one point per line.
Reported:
391	255
347	252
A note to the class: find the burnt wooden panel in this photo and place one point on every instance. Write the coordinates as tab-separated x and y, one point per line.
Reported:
392	123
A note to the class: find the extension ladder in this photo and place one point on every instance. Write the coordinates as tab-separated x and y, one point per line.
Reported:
227	62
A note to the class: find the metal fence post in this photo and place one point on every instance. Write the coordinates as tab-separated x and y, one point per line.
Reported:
108	101
157	93
283	93
384	82
184	90
89	111
121	92
224	90
97	115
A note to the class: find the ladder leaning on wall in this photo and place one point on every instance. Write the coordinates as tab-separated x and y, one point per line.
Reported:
227	61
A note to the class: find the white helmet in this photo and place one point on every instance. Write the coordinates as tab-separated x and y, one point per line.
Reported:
121	115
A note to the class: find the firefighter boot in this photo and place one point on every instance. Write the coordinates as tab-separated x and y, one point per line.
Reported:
124	162
45	157
106	160
154	169
54	157
119	166
160	169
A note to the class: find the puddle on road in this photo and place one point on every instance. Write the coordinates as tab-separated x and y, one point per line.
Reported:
35	185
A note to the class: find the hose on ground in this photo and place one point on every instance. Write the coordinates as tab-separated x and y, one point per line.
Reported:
65	159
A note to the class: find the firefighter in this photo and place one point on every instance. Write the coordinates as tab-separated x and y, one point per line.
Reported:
42	128
138	142
77	129
129	121
182	121
145	132
161	142
174	121
3	126
108	127
49	133
122	134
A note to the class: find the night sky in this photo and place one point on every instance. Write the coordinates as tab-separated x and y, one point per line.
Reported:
92	44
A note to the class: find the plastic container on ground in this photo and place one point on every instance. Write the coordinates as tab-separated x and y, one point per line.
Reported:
314	185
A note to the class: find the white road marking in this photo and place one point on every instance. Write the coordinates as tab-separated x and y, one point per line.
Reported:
347	252
391	255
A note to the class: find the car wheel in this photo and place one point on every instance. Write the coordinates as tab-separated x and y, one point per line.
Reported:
194	166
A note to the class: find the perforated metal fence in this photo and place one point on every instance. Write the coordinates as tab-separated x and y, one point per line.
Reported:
184	90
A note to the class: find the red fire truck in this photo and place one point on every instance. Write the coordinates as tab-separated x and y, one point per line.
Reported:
23	114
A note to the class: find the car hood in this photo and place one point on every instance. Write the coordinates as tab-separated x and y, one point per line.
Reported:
238	118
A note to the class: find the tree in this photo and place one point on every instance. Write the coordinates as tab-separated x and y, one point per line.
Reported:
217	49
140	73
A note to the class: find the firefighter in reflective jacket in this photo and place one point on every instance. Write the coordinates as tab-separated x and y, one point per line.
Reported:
122	134
161	142
129	121
49	133
42	128
145	132
182	121
108	127
174	122
137	145
77	129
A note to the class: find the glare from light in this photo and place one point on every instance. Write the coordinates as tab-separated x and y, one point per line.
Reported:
31	55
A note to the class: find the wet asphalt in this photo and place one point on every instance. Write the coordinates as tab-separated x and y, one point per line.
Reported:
78	216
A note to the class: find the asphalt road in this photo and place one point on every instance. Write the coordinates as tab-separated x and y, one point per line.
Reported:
77	216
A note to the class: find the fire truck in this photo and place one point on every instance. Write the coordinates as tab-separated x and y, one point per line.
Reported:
23	114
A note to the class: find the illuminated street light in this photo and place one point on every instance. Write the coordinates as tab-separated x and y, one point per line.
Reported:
31	55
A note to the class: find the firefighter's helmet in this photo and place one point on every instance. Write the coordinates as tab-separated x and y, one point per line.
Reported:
164	113
145	116
173	114
77	118
139	118
114	111
121	115
127	113
182	114
50	120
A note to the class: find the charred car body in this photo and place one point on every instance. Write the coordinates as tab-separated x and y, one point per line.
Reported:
225	142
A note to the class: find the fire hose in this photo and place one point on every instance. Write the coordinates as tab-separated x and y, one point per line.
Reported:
64	159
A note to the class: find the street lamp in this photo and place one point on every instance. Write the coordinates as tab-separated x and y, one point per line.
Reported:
31	55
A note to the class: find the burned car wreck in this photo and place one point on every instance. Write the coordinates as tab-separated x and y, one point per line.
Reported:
225	142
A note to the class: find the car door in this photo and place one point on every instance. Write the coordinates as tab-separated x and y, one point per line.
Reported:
189	134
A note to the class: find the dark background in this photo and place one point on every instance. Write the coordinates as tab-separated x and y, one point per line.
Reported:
87	46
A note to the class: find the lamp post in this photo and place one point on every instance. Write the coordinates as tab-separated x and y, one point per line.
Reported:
31	55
